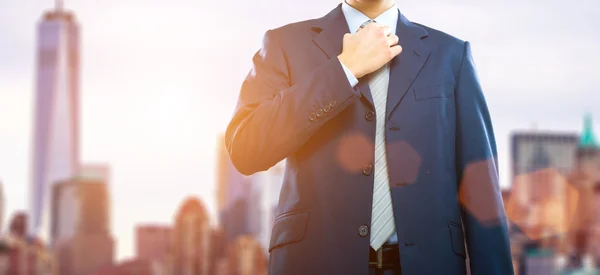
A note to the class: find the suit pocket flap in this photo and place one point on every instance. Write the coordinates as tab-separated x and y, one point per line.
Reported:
458	239
434	91
288	228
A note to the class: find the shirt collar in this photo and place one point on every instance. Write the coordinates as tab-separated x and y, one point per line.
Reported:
355	18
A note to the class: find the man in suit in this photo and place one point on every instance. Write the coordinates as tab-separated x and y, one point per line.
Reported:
391	158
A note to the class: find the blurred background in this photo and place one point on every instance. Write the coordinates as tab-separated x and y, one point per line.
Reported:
112	116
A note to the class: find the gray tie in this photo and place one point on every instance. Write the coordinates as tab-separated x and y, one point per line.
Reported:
382	220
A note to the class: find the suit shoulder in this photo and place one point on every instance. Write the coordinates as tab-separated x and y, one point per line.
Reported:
446	44
440	35
443	39
293	30
451	47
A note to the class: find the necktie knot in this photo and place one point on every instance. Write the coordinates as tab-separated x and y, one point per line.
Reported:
366	23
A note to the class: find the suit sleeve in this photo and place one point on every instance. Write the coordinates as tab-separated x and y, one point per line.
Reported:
483	215
273	118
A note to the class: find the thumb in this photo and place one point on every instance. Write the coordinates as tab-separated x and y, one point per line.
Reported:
396	50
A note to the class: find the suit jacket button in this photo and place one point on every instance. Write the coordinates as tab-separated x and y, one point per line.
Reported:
363	231
367	169
312	116
370	115
333	103
320	113
327	108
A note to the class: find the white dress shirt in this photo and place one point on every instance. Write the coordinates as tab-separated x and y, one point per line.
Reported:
355	19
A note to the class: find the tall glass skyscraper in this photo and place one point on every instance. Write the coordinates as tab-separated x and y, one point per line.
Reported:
56	125
266	187
246	204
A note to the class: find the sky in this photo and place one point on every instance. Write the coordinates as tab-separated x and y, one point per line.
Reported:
160	80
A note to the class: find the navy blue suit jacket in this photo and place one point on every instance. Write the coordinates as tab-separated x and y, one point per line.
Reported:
297	104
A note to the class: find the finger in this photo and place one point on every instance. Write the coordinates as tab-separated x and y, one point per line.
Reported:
396	50
392	40
386	30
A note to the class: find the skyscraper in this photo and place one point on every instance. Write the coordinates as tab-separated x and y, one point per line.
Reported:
536	150
80	206
233	195
80	220
191	240
541	193
96	171
153	242
264	198
67	201
230	182
246	257
56	133
246	203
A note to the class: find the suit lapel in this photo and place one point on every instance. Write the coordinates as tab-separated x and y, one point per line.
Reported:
331	29
405	67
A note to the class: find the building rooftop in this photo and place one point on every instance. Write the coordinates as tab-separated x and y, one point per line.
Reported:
58	13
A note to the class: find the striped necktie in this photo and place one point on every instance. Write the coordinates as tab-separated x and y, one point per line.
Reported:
382	220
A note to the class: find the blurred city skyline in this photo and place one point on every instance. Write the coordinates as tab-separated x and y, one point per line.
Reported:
158	85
